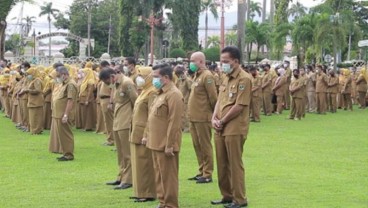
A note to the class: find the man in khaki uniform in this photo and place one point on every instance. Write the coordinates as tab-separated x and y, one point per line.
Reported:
231	122
164	136
129	68
256	95
321	89
184	84
267	90
202	101
311	89
280	89
361	84
346	90
288	74
125	94
297	94
332	90
107	113
63	99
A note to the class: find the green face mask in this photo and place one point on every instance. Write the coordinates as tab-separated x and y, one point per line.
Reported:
193	67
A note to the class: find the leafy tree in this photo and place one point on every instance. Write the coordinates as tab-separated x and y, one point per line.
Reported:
212	54
177	52
49	11
256	34
254	8
12	44
231	38
29	22
214	41
126	21
297	10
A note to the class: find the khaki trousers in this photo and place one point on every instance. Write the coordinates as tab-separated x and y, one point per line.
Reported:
348	103
321	102
332	102
267	103
311	101
255	106
201	137
287	98
296	108
166	178
185	120
54	144
64	134
362	102
88	116
36	120
123	149
108	117
230	168
100	124
142	171
280	103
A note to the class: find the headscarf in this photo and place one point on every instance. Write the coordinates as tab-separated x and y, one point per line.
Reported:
89	78
34	72
147	74
49	80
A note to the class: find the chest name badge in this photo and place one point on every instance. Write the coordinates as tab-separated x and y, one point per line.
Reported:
122	94
231	95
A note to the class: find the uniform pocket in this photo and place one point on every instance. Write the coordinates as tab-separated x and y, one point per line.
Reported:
161	110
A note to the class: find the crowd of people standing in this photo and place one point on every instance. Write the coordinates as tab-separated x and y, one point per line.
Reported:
144	110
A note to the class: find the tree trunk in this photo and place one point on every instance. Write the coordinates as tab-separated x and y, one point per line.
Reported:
248	10
349	50
2	38
258	48
264	14
206	30
250	52
272	10
49	36
241	30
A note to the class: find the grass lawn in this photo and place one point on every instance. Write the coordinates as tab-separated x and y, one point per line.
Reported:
321	161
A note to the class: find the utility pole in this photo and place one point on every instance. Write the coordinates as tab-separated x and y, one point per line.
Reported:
108	43
89	27
222	41
241	30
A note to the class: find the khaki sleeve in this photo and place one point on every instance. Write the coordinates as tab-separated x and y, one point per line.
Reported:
175	105
71	92
244	92
210	85
132	92
37	87
151	99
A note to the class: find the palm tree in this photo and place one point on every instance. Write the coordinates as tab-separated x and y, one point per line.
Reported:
214	41
256	34
49	11
297	10
29	22
272	10
254	8
264	9
208	5
231	38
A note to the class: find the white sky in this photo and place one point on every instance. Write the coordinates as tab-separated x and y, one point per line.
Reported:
41	24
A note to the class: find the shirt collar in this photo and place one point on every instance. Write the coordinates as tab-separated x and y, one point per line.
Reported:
167	87
235	72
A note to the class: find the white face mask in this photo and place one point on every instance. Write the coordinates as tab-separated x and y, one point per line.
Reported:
126	69
286	65
140	81
59	80
226	68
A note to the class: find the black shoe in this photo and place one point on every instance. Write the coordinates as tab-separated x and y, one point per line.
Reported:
204	180
144	199
233	205
113	183
195	178
123	186
222	201
63	159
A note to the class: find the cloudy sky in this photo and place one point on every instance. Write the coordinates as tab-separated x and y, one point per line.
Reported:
41	24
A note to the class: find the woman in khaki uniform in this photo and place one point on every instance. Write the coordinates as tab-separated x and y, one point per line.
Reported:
141	156
100	125
47	93
4	86
361	84
87	99
23	101
346	91
279	89
35	101
16	85
78	117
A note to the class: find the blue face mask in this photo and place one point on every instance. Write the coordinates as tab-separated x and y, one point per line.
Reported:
226	68
157	83
29	77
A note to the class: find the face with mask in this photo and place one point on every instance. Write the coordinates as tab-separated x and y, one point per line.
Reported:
29	77
296	73
228	63
193	67
158	80
140	81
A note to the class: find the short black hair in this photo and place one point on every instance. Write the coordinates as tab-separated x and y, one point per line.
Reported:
104	64
130	60
26	64
106	73
62	70
296	70
165	70
251	68
233	51
56	65
266	65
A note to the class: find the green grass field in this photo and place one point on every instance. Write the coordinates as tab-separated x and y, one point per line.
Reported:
321	161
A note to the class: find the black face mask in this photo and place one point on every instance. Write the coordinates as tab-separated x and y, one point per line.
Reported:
17	79
296	76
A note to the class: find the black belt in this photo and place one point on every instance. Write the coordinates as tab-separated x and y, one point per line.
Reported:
104	97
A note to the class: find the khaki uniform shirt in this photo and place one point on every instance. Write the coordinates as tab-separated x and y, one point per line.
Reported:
25	84
361	84
185	86
347	88
133	76
296	83
333	85
267	78
311	83
321	83
35	94
164	120
125	94
60	96
87	95
203	97
281	84
257	82
105	93
236	89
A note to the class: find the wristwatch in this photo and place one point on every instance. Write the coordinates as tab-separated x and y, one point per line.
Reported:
65	116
